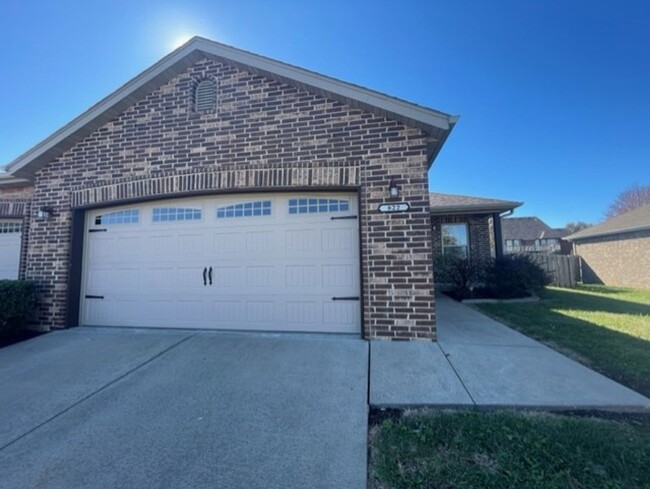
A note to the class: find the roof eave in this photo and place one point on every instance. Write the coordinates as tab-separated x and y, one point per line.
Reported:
10	181
483	209
576	237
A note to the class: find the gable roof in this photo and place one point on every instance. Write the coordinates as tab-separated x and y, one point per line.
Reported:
634	220
526	228
436	124
461	204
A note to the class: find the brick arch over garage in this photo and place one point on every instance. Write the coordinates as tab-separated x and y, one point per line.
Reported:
225	178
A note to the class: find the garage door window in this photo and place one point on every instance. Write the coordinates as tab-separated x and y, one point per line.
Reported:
9	227
245	209
129	216
166	214
313	206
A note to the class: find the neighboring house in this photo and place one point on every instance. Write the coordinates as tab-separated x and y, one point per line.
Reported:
15	195
532	235
222	189
617	251
469	227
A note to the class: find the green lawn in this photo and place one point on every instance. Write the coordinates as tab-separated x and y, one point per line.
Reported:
508	450
606	328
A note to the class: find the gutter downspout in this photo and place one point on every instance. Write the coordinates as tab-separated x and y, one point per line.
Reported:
498	235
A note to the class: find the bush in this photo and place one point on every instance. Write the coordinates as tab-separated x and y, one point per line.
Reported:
461	274
17	299
514	276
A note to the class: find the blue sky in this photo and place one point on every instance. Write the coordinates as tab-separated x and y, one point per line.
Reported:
554	96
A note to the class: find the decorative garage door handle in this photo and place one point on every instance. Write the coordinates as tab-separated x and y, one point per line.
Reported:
205	274
345	298
210	275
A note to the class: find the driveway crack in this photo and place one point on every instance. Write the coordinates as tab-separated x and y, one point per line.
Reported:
456	372
94	393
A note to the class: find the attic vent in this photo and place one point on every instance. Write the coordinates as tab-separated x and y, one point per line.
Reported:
205	96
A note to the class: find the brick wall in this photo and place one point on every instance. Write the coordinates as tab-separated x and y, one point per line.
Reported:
264	135
479	230
620	260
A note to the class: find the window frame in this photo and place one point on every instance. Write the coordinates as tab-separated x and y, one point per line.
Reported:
466	246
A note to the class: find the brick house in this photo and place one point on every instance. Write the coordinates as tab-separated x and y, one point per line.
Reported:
532	235
469	227
223	189
617	251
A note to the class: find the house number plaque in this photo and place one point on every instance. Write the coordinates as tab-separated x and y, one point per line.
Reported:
397	207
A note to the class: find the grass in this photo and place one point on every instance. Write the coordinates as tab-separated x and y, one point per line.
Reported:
508	450
606	328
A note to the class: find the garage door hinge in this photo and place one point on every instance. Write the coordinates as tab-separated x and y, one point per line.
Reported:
345	298
97	230
334	218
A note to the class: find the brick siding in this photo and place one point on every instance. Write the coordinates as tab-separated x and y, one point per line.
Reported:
264	134
620	260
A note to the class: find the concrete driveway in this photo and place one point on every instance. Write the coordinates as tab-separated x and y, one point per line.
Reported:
124	408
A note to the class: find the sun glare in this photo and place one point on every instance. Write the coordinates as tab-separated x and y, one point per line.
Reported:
180	40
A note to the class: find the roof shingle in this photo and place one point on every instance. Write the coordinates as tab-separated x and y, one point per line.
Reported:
449	203
635	220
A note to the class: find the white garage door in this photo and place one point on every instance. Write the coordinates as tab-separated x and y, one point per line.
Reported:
275	262
10	232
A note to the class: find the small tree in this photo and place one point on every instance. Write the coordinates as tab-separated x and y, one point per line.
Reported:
574	227
630	199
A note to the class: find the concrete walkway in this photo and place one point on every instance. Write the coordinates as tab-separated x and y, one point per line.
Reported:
480	362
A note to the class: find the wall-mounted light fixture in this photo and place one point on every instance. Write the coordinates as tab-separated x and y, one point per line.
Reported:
393	189
45	213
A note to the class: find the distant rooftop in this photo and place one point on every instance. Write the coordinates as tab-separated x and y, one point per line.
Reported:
635	220
530	229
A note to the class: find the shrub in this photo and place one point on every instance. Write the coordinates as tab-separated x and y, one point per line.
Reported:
461	274
514	276
17	299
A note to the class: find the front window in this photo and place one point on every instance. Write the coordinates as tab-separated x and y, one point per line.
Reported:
455	240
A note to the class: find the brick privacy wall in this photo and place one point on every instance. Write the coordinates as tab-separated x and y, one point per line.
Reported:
479	229
621	260
260	125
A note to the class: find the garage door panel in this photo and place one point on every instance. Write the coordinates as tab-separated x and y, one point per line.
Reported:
260	242
339	276
227	312
277	271
340	313
261	276
228	277
302	276
301	312
227	243
165	244
157	277
260	312
302	240
191	311
336	240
